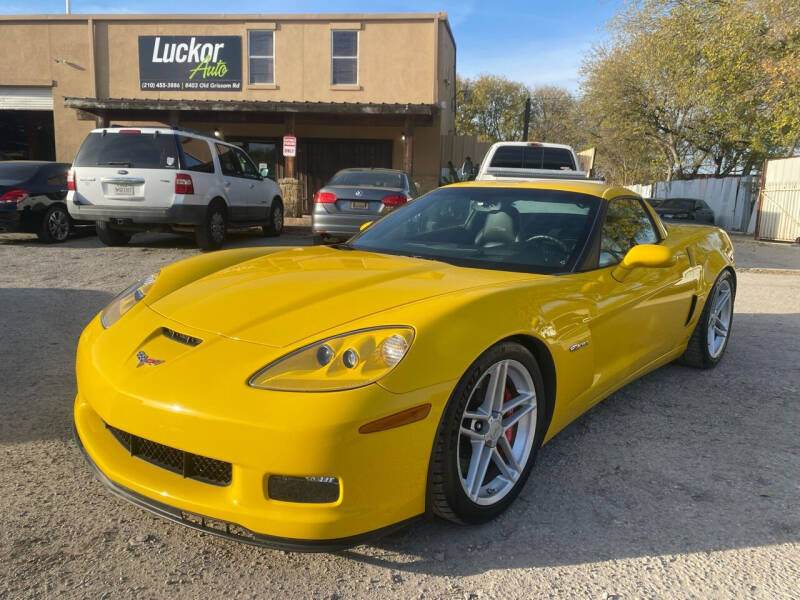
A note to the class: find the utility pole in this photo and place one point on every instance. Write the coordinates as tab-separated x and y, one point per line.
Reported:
527	119
67	6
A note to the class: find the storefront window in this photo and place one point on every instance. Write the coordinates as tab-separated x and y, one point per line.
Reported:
344	57
261	55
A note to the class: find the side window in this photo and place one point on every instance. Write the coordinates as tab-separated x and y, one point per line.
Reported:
228	161
197	155
57	177
627	225
246	165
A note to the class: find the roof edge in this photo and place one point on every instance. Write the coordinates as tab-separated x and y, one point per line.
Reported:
411	16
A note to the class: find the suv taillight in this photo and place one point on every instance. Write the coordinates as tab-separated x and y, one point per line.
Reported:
13	196
71	180
183	184
394	200
324	198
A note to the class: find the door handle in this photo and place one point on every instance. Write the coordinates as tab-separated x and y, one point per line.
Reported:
252	185
227	184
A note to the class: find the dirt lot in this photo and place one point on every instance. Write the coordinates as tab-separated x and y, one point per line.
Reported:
685	484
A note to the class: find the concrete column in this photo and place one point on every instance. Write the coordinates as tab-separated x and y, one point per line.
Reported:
290	192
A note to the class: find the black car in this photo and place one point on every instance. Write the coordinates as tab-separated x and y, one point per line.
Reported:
33	199
685	209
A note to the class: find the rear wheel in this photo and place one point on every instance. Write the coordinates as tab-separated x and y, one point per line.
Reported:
710	338
110	236
210	234
275	225
55	225
490	432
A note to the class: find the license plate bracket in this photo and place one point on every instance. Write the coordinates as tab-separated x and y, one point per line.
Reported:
359	205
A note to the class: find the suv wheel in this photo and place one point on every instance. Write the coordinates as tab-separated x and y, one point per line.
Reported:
210	235
275	225
110	236
55	225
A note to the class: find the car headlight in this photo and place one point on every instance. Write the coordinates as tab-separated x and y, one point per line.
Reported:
126	300
341	362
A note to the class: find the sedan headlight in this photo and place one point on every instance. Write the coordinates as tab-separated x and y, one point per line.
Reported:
126	300
341	362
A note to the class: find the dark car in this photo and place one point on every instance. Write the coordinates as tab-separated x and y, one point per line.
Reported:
33	199
353	197
685	209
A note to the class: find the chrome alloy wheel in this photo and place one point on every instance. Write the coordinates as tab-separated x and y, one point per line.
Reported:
719	318
217	226
496	432
58	225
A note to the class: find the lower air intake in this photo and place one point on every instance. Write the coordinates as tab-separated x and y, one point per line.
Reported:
191	466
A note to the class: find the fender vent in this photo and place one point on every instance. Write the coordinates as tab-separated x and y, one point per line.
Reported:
692	306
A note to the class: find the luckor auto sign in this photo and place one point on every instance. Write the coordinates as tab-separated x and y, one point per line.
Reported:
190	63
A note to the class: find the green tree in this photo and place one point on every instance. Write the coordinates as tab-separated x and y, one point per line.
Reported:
490	107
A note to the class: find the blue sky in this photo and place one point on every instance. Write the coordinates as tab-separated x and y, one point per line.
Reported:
536	42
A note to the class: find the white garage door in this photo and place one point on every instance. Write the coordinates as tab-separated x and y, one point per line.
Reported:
26	98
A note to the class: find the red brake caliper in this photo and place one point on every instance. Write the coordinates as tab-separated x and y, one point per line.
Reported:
511	430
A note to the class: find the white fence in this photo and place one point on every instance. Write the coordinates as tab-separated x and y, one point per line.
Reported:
779	205
731	198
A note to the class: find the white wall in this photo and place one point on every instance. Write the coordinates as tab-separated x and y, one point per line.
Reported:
731	198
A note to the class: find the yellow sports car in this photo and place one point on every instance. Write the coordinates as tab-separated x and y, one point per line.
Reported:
306	397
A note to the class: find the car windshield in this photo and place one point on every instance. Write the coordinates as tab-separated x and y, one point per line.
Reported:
14	172
378	179
511	229
129	148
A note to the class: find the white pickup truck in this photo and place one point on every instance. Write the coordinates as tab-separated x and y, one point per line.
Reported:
529	160
129	179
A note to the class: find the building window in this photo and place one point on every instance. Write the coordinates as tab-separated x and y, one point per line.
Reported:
344	57
261	55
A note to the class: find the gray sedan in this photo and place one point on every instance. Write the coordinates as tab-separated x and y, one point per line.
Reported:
353	197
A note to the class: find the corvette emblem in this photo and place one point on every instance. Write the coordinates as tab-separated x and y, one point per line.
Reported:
358	192
146	360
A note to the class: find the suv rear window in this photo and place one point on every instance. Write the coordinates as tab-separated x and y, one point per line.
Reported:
532	157
135	150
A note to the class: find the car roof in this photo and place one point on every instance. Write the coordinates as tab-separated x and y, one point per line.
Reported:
592	188
162	129
534	144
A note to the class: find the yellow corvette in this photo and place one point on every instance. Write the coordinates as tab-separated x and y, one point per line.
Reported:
306	397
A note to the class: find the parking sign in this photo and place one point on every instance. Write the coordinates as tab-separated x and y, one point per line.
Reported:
289	145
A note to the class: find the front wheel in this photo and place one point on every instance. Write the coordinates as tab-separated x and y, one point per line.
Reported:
712	332
275	225
487	440
55	226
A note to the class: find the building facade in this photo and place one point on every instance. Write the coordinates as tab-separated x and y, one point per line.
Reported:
354	90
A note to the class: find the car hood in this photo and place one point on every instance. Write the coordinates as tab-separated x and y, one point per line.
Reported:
290	295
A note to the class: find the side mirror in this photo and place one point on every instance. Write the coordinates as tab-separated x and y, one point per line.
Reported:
643	255
365	225
263	168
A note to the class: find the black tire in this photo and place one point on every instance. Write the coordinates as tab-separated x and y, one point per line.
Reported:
697	352
110	236
56	225
319	240
446	497
274	227
211	233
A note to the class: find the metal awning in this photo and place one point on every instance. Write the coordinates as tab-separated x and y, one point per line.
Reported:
102	106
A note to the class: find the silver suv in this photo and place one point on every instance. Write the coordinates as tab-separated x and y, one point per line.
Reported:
131	179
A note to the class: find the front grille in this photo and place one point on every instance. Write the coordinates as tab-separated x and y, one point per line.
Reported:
191	466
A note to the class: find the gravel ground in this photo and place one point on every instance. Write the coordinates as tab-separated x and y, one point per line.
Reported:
684	484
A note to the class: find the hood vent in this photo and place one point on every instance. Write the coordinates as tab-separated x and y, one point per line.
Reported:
181	338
